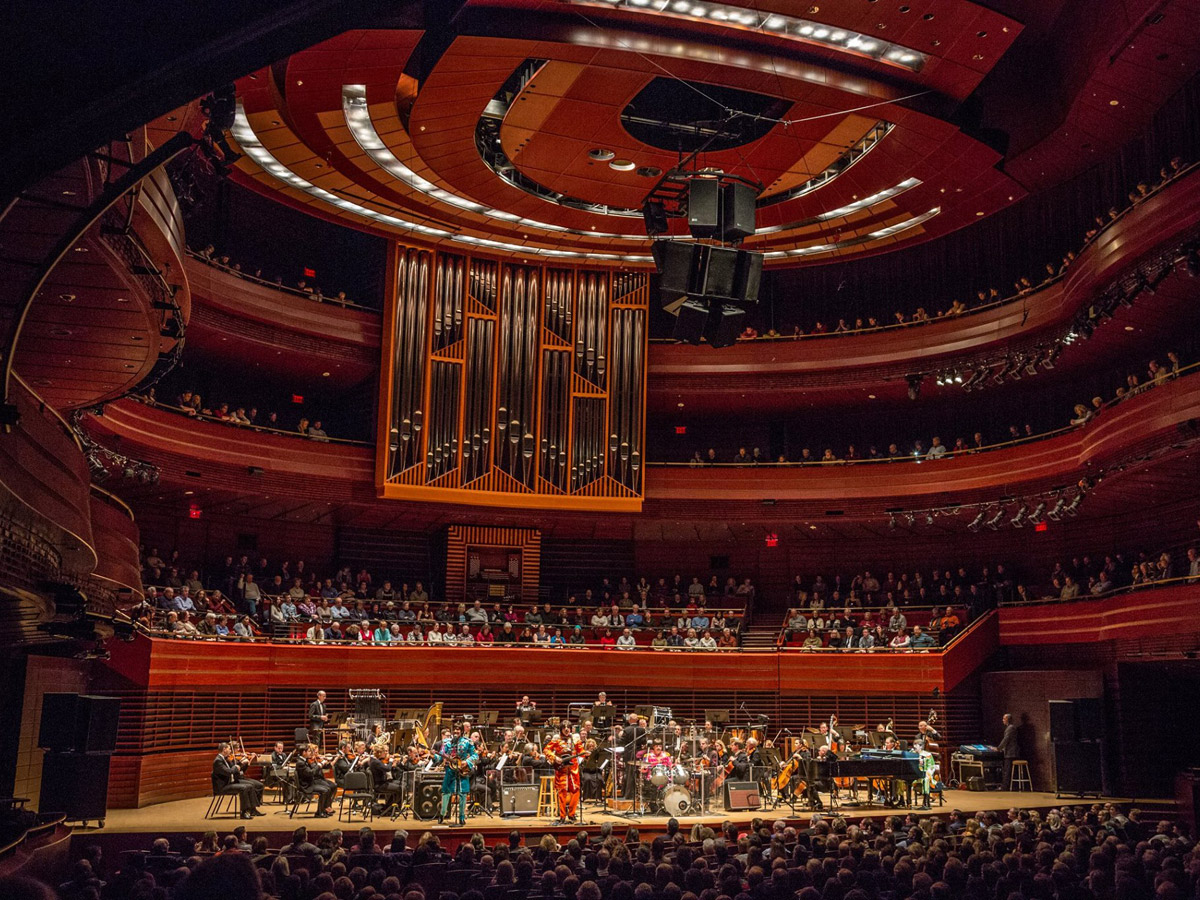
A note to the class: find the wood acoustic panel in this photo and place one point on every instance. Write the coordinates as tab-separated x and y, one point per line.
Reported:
512	385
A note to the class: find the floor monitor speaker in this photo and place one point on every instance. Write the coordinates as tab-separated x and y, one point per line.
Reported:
519	799
742	795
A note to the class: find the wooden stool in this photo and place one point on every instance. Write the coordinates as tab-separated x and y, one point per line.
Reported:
547	798
1020	776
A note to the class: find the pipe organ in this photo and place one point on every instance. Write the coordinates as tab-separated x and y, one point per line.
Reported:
508	384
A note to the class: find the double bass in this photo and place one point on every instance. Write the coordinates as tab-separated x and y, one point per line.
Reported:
784	776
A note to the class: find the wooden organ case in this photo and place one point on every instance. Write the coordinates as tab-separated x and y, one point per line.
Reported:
507	384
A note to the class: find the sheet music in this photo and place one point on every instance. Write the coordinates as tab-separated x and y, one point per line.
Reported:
501	762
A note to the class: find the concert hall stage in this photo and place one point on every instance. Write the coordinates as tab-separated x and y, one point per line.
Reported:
129	828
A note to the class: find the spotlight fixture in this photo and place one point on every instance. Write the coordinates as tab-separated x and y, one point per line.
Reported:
1031	367
977	521
1018	520
928	518
958	379
892	521
914	386
1036	516
994	522
1056	513
1072	508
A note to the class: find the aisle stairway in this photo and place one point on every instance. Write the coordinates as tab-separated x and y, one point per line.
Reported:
761	635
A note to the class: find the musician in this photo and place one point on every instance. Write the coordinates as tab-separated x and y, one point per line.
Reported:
591	775
278	756
360	757
829	735
563	752
383	777
461	759
227	778
1010	746
633	738
928	736
655	756
277	771
317	717
526	709
738	764
485	772
342	761
310	776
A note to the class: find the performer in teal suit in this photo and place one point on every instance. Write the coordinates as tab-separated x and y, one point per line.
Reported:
461	758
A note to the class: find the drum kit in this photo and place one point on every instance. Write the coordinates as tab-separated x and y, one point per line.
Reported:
674	790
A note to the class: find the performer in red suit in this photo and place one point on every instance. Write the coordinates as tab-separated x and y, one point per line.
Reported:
564	752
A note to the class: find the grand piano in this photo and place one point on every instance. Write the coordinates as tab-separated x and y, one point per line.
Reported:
870	765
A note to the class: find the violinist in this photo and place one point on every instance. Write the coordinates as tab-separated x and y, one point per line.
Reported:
360	757
383	777
310	776
227	778
342	761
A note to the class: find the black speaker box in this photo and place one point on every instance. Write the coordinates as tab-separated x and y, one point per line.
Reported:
717	268
1077	767
675	261
96	725
739	212
301	736
725	323
742	795
693	317
75	784
427	800
1062	721
57	729
1089	717
748	276
975	783
704	207
519	799
655	216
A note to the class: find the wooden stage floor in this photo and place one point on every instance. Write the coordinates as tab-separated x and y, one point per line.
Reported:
187	817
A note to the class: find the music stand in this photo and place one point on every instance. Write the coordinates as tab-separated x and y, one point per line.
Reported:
603	715
488	717
717	716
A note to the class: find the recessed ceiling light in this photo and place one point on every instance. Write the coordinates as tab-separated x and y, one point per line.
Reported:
622	165
1129	328
649	171
136	337
68	193
66	297
928	17
1114	102
600	154
81	249
188	493
324	374
980	213
870	396
981	34
122	299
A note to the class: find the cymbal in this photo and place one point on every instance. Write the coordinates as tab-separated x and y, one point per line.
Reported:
862	727
812	730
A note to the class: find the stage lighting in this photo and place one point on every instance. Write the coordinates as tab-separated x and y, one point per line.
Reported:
994	522
1036	516
977	521
1018	521
1056	513
914	386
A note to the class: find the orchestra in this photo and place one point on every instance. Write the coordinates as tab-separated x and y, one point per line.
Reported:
645	762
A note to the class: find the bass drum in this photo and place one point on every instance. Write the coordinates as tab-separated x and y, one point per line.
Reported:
428	801
677	800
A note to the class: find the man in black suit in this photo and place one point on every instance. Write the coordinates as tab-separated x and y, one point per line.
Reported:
1010	746
633	739
317	718
227	778
309	769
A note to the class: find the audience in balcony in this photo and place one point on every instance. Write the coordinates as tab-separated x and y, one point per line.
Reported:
190	403
301	288
918	452
1023	285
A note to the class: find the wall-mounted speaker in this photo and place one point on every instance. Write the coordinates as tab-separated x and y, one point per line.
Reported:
675	261
747	277
1077	767
1062	721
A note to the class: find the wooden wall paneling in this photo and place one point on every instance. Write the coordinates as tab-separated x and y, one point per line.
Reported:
1152	614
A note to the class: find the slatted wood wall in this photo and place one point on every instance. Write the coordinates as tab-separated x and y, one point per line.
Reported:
461	538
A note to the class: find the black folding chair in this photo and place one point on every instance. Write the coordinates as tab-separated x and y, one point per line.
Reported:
356	788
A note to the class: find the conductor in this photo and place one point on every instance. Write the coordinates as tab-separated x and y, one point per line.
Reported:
317	718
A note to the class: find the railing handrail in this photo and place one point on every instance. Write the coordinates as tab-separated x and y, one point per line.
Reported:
282	288
1115	592
1141	390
